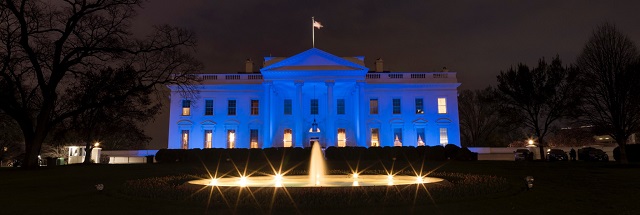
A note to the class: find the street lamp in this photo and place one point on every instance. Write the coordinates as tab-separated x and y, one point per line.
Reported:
96	145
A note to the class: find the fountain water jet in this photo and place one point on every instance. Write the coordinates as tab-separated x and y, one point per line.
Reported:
317	169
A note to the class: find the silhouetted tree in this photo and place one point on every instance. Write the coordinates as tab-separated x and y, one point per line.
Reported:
610	72
539	96
49	49
10	139
481	121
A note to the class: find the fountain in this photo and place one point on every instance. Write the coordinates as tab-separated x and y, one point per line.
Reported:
317	178
317	169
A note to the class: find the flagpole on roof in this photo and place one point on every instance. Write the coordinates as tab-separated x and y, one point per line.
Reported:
313	33
314	25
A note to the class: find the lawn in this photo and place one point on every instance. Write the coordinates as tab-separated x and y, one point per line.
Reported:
559	188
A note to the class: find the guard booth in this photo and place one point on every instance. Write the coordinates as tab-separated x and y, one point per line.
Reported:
76	154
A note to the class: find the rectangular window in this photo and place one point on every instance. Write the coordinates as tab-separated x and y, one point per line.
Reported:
254	138
375	137
231	138
373	106
314	106
208	107
185	139
419	106
287	107
208	137
442	105
444	139
342	137
340	107
186	107
420	134
255	107
231	107
287	138
396	106
397	135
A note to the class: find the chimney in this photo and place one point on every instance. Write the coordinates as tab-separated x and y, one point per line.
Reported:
248	66
379	67
444	69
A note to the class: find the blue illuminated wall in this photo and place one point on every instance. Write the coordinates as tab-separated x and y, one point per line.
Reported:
316	75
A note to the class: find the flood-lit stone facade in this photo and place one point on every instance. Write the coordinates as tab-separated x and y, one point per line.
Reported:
351	106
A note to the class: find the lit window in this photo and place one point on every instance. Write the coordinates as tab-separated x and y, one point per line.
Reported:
186	107
375	137
231	107
420	133
396	106
185	139
287	107
255	107
444	139
373	106
340	106
208	107
442	105
231	138
342	137
397	135
287	138
314	106
254	138
208	137
419	106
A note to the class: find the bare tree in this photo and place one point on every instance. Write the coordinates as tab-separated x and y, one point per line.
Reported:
539	96
50	49
10	140
610	72
481	122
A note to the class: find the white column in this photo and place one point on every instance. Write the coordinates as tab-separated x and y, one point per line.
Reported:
331	130
361	135
299	130
266	112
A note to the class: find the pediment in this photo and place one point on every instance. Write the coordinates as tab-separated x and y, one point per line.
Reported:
420	121
314	59
443	121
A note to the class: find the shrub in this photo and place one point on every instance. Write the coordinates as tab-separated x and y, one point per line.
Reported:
435	153
451	151
464	154
632	150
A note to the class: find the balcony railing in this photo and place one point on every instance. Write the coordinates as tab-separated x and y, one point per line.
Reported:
399	77
435	77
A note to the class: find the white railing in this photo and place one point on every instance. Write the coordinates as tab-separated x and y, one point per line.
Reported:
394	77
413	77
230	78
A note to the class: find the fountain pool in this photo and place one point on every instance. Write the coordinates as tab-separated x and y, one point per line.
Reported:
317	178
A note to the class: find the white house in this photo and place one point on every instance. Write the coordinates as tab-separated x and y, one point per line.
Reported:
312	97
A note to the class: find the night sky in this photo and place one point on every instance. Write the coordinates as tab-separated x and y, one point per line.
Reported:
476	39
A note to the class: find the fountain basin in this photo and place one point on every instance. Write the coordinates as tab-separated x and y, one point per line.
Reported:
326	181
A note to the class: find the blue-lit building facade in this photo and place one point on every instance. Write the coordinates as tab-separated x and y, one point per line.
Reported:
316	97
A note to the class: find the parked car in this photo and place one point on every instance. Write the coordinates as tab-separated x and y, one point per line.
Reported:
557	155
592	154
523	154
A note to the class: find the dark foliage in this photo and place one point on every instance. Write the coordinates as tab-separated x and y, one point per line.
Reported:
633	152
406	153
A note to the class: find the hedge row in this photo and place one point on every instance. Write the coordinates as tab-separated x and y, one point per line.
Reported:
632	150
409	153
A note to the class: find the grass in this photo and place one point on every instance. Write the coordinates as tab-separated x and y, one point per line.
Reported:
559	188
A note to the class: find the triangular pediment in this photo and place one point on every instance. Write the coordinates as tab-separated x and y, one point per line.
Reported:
314	59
